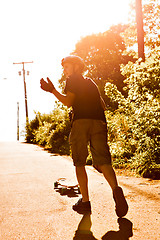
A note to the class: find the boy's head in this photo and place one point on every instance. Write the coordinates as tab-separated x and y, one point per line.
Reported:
72	64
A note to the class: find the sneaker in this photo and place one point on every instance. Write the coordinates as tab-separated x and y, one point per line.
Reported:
82	207
120	201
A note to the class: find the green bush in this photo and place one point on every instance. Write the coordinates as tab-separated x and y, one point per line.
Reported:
134	130
58	139
31	128
50	130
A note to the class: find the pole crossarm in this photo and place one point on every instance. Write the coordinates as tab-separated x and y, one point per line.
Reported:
23	62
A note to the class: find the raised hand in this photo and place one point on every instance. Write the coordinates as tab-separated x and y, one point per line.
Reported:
47	85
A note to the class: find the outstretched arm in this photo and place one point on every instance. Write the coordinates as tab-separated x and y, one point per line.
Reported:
49	87
65	99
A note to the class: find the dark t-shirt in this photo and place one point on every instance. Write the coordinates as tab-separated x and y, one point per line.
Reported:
87	103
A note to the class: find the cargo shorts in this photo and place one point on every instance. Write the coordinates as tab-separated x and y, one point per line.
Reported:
92	133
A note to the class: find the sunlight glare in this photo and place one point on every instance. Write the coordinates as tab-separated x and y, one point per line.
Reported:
44	32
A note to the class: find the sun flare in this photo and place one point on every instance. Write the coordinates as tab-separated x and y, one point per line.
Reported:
44	32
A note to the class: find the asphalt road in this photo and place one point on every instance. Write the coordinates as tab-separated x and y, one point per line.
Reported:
31	209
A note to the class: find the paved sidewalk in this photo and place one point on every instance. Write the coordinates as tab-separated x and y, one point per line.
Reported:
31	209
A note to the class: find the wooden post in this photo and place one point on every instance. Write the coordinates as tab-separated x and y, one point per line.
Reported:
140	31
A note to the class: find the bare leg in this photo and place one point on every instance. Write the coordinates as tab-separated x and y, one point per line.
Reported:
109	175
83	182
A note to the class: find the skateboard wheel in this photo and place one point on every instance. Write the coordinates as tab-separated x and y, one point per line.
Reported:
55	184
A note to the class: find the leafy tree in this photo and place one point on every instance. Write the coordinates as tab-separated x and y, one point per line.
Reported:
151	22
62	82
103	55
134	130
146	76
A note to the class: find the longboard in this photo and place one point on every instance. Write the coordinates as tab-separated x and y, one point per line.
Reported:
64	185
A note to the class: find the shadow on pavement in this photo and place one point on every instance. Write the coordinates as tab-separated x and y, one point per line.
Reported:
124	233
69	193
83	231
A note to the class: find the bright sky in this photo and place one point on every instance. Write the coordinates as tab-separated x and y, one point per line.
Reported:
43	32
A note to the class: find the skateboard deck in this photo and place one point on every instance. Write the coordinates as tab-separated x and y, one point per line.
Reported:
64	185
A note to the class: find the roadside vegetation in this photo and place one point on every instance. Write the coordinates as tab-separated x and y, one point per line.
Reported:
131	90
51	130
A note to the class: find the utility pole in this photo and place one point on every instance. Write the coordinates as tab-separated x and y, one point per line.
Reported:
140	31
25	90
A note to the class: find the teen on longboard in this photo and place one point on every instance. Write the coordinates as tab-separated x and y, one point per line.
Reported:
89	126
